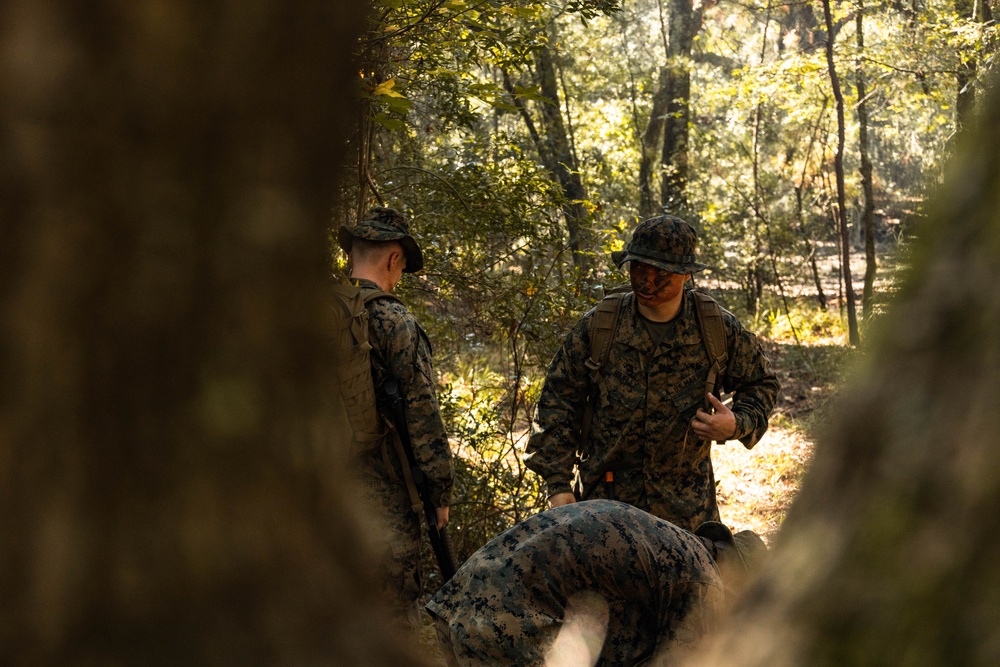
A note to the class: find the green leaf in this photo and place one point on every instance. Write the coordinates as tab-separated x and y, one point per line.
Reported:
389	123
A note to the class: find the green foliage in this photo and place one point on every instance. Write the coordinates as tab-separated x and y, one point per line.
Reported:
807	324
487	414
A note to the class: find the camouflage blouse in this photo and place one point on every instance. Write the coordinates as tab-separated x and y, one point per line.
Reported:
507	602
643	436
400	349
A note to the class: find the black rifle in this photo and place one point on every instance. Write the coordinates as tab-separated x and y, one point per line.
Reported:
439	541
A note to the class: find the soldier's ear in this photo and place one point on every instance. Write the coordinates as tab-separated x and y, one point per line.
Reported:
401	259
392	258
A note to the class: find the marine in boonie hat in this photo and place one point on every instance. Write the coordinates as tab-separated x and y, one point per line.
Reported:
384	224
666	242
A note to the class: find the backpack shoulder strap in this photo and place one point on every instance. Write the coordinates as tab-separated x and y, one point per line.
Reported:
603	326
713	335
373	294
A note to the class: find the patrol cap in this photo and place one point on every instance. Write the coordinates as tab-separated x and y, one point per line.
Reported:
747	544
384	224
666	242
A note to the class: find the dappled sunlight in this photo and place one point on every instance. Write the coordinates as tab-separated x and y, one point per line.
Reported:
756	487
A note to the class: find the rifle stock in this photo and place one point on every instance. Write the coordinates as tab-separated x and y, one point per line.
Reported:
438	538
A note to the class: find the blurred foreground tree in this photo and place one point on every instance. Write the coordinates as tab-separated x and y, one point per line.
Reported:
889	554
169	483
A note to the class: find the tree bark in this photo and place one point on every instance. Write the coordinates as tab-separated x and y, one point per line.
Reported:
170	481
685	22
651	138
557	155
868	214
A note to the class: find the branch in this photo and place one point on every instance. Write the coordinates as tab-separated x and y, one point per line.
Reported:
458	195
407	28
905	70
519	103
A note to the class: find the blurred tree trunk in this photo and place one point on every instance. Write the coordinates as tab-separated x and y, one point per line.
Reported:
889	553
169	477
868	214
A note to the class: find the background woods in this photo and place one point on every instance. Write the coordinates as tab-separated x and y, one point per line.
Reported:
526	139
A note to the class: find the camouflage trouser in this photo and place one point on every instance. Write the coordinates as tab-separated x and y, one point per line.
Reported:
400	537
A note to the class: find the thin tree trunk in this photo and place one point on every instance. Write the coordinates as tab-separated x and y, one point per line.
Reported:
800	217
648	204
852	318
868	215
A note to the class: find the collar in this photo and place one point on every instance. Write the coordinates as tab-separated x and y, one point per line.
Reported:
364	282
632	332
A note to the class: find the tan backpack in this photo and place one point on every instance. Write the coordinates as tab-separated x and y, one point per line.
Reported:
353	363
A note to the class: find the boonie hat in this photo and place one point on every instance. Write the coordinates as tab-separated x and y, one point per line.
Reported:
747	544
666	242
384	224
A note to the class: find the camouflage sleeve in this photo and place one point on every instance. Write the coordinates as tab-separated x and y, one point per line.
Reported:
754	383
408	359
551	448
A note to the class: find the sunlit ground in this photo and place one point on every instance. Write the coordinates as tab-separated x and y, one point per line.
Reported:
755	487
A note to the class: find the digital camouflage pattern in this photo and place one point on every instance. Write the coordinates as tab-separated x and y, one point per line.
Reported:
506	604
644	434
400	348
665	242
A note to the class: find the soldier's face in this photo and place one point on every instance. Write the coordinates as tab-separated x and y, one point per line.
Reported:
652	286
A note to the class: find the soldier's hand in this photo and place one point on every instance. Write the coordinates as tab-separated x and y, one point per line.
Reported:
720	426
442	517
561	499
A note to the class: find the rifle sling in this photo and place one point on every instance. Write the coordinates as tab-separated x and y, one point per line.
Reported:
404	460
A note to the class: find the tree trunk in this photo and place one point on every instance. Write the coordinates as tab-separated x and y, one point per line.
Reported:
868	215
685	21
170	482
648	204
557	155
852	318
889	553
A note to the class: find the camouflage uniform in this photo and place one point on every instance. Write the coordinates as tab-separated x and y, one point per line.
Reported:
400	349
643	436
506	604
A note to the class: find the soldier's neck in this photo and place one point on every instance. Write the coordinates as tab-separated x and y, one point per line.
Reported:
380	278
664	312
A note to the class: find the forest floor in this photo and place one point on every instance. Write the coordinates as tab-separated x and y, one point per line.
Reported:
756	487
